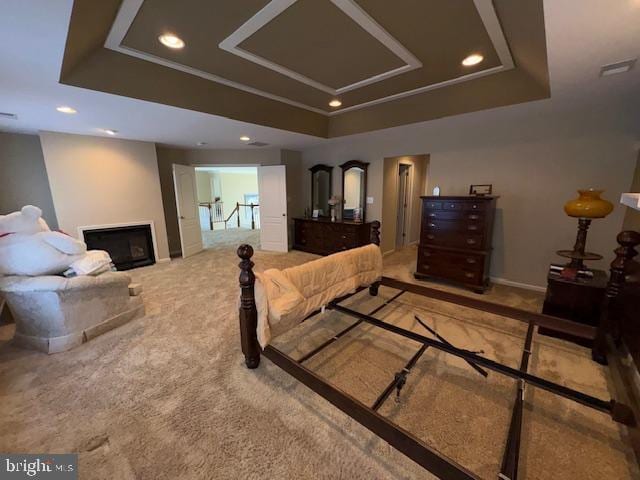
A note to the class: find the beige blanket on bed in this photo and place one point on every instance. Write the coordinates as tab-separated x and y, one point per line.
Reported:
285	297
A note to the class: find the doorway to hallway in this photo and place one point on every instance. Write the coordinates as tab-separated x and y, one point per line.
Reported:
229	205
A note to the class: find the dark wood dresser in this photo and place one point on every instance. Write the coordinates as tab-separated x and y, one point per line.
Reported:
455	240
324	237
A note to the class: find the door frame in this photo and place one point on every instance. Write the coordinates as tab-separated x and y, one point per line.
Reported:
409	196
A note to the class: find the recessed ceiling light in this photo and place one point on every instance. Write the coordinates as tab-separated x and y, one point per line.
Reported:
66	109
472	60
335	103
171	41
244	138
109	131
618	67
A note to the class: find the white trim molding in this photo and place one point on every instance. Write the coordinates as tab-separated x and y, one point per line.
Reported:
141	223
511	283
129	9
348	7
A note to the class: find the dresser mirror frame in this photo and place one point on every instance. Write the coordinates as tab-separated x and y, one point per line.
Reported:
315	170
363	188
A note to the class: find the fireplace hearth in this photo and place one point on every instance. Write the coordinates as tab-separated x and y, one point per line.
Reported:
129	247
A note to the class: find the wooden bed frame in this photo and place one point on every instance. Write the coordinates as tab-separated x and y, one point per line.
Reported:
624	410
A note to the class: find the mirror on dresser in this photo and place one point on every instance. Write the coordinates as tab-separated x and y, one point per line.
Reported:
321	188
354	190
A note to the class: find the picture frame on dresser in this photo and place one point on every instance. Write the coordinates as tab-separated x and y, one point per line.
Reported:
455	240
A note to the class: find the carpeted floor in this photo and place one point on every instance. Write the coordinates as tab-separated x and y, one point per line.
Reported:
167	396
231	237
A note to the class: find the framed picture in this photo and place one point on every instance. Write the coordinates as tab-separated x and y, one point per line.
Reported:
315	213
480	190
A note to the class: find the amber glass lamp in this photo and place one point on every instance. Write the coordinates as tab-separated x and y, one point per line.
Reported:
585	208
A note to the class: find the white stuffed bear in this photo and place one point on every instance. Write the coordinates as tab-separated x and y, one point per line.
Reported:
29	247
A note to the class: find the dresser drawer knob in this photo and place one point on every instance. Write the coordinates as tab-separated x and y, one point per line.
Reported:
432	215
425	266
432	225
471	260
471	241
475	206
453	205
472	227
469	275
427	254
344	236
431	237
473	217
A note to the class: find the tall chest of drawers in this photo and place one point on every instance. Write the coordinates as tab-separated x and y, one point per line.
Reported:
455	240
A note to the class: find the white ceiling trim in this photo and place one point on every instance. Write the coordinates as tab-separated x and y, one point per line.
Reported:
348	7
129	9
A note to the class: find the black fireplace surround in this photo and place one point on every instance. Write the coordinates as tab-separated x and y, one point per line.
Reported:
129	247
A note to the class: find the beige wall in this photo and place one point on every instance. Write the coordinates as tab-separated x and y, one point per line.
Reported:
168	156
101	181
419	164
536	156
298	187
203	187
234	186
23	176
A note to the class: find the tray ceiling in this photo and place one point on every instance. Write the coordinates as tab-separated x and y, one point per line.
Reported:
305	53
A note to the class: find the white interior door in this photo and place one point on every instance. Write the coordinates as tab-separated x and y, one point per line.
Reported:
272	186
184	180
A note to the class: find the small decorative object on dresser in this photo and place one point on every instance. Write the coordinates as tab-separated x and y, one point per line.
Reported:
324	237
455	240
480	190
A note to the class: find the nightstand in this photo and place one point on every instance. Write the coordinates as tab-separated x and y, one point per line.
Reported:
578	300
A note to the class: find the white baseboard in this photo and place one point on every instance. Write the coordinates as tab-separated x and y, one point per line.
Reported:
387	253
163	260
511	283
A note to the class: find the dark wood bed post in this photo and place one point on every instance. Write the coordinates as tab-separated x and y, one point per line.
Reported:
375	239
627	240
248	311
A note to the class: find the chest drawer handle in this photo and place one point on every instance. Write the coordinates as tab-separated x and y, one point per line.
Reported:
425	266
469	275
427	254
471	241
475	206
471	260
453	205
431	237
344	236
432	215
472	227
473	217
432	225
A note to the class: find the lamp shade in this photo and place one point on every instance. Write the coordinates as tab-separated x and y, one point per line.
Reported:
588	205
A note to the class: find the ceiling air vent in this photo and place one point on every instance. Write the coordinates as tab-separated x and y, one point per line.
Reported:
618	67
8	116
258	144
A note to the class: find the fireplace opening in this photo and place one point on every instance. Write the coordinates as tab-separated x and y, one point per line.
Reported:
129	247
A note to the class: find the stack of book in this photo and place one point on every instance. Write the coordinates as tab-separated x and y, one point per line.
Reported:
565	271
